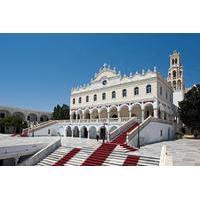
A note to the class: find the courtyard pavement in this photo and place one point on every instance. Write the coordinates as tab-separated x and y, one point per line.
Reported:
184	152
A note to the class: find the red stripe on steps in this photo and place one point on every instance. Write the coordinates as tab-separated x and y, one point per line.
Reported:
127	147
100	155
121	139
67	157
131	161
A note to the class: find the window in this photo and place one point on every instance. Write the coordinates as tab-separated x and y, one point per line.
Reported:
104	82
74	101
95	97
160	91
87	98
176	61
136	91
124	93
113	95
160	133
103	96
80	100
174	74
148	89
172	61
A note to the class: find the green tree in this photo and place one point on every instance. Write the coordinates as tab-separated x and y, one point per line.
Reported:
14	123
189	110
61	112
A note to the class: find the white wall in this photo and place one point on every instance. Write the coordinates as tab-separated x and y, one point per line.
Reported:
152	133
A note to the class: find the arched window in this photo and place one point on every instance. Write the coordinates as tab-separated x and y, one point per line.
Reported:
176	61
172	61
113	95
95	97
103	96
148	89
136	91
174	74
124	93
80	100
87	98
74	101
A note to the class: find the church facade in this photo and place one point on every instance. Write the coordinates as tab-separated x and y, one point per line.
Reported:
113	96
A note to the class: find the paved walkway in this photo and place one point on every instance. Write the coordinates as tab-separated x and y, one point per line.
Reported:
184	152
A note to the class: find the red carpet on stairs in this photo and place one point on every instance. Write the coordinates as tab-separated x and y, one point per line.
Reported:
121	139
67	157
131	160
129	148
100	155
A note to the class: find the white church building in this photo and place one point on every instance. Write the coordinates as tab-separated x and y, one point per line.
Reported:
112	101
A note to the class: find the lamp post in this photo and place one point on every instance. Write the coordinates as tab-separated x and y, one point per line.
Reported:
139	136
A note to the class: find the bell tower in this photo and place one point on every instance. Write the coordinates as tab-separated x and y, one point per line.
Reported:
175	72
176	77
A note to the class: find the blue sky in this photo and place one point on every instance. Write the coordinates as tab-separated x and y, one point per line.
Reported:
37	71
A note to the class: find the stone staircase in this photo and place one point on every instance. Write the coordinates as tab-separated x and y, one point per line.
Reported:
69	156
114	153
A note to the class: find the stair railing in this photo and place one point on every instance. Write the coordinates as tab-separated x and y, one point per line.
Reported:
114	134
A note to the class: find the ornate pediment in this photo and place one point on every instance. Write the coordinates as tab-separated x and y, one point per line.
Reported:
105	72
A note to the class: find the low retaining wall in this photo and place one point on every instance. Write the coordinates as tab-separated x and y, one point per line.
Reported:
41	154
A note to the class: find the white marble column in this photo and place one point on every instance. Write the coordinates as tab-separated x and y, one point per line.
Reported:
142	115
155	113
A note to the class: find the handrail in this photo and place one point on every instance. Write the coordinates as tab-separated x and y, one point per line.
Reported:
36	128
124	127
134	132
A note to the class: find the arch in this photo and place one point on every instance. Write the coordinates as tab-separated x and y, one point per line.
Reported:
92	132
87	114
95	113
19	114
76	131
124	111
4	113
32	117
179	85
112	129
73	115
174	74
103	113
44	118
80	114
102	131
113	112
68	131
136	111
84	132
148	110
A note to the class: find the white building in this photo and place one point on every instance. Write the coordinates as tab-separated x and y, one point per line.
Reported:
111	96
